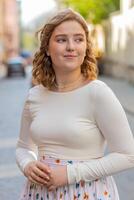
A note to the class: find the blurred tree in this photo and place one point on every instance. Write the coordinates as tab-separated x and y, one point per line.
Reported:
93	10
28	41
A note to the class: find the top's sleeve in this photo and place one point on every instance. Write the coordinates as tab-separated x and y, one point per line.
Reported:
26	149
113	124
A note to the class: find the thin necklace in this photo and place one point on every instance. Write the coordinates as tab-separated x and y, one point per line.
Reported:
67	86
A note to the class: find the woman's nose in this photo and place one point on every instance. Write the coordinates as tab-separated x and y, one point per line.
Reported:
70	45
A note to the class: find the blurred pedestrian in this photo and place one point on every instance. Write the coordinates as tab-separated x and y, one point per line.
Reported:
68	118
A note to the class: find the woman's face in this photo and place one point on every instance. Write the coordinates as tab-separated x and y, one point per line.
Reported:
67	46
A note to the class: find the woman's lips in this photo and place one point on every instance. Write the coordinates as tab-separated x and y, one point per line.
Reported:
70	56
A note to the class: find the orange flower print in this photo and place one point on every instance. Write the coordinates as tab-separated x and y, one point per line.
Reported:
61	195
105	193
57	161
86	196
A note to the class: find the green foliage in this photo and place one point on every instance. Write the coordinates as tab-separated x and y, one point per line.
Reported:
93	10
28	41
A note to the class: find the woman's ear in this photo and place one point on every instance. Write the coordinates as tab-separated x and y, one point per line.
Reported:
47	52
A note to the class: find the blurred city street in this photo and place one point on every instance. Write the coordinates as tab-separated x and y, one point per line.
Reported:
12	94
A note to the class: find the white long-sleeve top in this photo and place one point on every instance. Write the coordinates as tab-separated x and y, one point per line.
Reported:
77	125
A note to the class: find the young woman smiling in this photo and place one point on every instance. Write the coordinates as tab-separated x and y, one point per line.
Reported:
70	117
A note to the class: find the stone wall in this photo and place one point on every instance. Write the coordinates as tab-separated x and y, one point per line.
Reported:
9	26
119	45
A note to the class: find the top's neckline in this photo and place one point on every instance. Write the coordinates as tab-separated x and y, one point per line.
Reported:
71	91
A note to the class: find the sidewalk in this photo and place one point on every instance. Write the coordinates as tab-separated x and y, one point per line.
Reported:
123	90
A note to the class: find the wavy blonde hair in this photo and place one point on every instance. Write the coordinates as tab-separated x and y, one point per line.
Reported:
43	72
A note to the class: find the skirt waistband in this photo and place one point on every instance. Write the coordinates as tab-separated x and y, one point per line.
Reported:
57	161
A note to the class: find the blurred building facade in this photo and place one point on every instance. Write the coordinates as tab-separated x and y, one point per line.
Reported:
119	42
9	27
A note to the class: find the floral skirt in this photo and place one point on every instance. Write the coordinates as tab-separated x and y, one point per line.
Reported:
100	189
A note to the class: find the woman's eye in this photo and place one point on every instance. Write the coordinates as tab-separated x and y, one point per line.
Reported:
61	40
79	39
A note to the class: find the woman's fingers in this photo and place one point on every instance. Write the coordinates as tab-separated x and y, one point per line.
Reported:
33	181
43	167
37	172
41	174
37	179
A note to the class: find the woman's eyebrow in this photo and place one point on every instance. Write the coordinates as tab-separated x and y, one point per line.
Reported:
60	35
79	34
65	35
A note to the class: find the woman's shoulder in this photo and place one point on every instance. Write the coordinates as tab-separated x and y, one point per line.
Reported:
98	83
103	91
36	91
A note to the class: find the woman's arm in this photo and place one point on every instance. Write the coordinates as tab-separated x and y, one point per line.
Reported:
26	152
26	149
113	124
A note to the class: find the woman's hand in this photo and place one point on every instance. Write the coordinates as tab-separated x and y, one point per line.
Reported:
37	172
58	178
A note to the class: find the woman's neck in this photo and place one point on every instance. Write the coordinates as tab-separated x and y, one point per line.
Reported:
67	83
63	81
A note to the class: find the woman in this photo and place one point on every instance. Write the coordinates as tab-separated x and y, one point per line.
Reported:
68	118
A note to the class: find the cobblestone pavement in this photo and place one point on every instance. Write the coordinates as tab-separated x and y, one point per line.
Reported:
12	95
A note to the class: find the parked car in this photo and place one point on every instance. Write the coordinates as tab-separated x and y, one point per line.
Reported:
15	66
27	55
